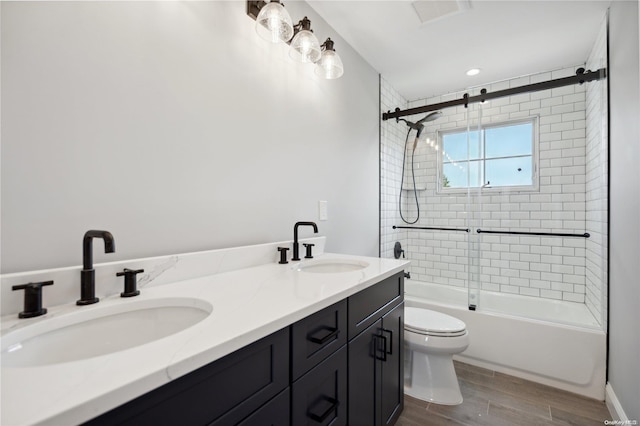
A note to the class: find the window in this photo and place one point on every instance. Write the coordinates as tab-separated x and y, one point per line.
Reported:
496	156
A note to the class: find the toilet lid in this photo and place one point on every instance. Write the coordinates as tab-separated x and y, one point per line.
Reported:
425	321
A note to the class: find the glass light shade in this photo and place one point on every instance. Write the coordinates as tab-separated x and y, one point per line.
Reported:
274	23
330	65
305	47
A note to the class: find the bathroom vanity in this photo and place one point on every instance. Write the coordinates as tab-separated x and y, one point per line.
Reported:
341	365
311	342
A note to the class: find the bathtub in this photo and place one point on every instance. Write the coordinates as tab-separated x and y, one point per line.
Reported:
546	341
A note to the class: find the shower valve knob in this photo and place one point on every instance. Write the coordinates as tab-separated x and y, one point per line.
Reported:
397	250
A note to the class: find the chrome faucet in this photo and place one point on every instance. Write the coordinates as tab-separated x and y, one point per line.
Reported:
296	246
88	274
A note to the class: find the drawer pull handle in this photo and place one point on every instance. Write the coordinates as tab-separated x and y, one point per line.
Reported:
384	330
322	417
377	347
333	332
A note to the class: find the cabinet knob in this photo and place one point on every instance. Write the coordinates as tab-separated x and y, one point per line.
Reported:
32	299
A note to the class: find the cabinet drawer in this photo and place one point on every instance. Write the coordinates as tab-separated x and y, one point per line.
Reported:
316	337
233	387
370	304
273	413
319	397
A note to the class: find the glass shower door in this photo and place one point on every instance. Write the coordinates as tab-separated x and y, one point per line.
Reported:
475	182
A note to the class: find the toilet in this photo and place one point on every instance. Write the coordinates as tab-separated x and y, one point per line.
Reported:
431	339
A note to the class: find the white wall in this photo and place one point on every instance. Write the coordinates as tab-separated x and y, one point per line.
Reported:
175	127
624	213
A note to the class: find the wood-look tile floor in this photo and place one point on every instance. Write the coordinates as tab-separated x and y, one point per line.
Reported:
496	399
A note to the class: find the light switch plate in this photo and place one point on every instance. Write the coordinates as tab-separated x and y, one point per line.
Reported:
322	210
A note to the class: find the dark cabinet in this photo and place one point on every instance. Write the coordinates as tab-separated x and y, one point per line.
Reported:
376	357
341	365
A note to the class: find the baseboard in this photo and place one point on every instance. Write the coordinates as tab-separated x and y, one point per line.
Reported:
615	409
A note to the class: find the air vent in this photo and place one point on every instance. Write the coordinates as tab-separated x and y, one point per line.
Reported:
432	10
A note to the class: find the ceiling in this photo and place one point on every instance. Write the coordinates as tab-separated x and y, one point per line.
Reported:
505	39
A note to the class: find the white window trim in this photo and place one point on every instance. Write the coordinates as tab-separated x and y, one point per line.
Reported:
534	187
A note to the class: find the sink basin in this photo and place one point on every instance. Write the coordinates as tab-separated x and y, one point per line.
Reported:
331	266
95	331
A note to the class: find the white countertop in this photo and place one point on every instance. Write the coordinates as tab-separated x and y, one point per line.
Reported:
248	304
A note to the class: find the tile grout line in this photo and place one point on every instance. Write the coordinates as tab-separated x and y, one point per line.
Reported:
550	415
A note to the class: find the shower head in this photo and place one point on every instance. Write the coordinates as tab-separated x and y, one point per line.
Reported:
419	126
429	117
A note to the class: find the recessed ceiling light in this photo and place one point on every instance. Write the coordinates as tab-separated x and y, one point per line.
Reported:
473	71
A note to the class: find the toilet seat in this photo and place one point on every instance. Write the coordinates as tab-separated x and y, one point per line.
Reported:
432	323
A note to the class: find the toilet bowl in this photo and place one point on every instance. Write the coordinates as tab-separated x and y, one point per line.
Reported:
431	339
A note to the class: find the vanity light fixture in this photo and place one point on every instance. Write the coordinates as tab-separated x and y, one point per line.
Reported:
305	46
274	24
330	65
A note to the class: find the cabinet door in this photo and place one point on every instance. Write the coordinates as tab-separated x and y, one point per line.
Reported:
363	370
392	367
376	372
319	398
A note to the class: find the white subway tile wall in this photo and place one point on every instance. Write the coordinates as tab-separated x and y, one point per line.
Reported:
392	136
548	267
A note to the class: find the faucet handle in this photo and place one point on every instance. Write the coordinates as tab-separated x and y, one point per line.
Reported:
130	284
308	246
32	299
283	255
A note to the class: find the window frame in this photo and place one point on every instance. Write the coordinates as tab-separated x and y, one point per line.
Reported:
535	181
